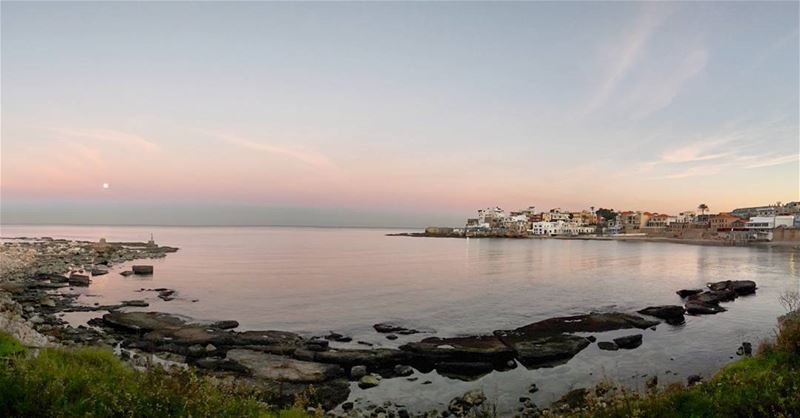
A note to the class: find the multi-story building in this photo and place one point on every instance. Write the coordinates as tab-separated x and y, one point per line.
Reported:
632	222
725	222
761	223
750	212
687	216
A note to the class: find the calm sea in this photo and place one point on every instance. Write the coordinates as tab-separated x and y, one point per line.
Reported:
315	280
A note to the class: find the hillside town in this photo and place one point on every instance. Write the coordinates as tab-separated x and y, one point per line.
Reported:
774	222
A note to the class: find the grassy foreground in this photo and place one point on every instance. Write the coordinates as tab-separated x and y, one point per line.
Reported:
92	382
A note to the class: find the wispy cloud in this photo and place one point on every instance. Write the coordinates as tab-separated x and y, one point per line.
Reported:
769	160
627	53
109	135
733	148
308	157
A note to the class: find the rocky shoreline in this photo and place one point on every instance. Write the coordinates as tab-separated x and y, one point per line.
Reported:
285	365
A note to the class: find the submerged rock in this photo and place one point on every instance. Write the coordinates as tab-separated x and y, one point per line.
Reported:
389	328
142	269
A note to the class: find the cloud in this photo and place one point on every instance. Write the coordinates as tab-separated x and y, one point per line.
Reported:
772	160
749	147
110	135
311	158
627	54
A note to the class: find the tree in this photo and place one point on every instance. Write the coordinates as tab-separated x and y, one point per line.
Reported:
702	208
607	214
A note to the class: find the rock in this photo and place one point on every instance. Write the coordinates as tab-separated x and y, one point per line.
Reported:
391	337
746	349
99	271
694	379
387	328
461	405
316	345
166	294
48	302
684	293
533	388
226	324
740	287
651	382
135	303
368	381
573	399
593	322
210	348
57	278
714	296
143	321
196	350
79	280
283	369
535	350
474	397
607	345
695	307
466	371
743	287
629	342
591	338
126	273
487	348
347	406
142	269
380	358
403	370
338	337
673	314
275	342
357	372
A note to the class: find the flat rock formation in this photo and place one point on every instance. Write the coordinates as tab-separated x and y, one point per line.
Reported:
673	314
284	369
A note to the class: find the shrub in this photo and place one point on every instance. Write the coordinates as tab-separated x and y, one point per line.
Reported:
92	382
9	346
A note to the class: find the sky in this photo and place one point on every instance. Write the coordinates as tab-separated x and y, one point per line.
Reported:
392	113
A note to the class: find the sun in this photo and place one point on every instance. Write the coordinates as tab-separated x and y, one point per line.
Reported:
105	185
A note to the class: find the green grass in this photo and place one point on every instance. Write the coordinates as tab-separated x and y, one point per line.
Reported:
91	382
9	346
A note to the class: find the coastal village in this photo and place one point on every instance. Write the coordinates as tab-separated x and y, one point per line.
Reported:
770	223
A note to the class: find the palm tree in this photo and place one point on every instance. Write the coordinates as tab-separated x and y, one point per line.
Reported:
703	208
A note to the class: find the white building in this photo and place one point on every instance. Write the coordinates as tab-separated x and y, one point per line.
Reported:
547	228
486	216
762	223
685	217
